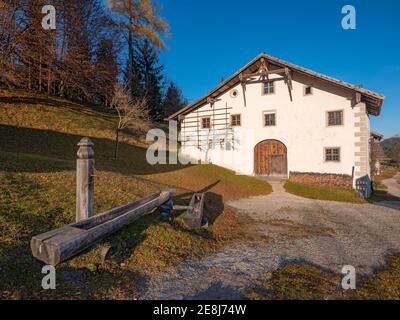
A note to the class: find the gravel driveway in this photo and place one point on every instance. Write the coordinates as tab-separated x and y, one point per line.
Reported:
393	186
286	228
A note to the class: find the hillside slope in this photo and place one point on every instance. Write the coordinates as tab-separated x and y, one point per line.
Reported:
37	181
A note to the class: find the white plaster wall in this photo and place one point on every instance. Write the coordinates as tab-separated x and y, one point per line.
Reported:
301	125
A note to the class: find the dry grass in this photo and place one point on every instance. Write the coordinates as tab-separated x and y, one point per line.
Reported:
37	182
300	230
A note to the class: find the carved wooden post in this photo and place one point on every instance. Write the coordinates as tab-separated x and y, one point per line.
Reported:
84	180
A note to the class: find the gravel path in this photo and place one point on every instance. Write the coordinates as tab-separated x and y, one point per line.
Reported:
286	228
394	189
393	185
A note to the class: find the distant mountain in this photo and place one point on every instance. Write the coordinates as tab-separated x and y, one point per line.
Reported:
391	147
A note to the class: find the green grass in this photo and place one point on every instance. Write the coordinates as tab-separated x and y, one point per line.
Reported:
308	282
37	193
323	193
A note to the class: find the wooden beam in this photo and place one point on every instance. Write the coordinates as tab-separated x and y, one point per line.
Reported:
358	97
288	76
211	100
242	81
267	73
194	215
262	76
265	81
64	243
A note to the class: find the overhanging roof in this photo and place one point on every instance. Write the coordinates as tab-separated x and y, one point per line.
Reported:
372	99
377	136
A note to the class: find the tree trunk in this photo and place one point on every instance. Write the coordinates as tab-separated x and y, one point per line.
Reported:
40	73
116	144
62	89
29	76
48	80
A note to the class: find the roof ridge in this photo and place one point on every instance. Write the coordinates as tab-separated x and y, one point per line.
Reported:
308	72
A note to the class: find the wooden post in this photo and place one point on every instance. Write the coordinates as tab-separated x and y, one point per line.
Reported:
84	180
194	215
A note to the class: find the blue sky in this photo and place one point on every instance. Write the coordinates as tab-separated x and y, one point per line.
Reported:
211	39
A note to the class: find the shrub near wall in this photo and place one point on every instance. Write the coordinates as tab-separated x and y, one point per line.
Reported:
322	179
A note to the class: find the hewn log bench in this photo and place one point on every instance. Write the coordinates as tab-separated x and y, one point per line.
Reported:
64	243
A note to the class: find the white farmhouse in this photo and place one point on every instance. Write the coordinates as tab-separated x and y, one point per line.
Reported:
274	118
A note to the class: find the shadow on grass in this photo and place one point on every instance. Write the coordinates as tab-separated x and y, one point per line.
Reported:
24	212
62	146
297	279
124	242
28	163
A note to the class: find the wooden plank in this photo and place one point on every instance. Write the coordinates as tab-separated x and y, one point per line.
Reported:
265	73
263	154
61	244
194	215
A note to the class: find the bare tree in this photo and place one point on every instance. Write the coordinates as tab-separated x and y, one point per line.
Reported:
132	112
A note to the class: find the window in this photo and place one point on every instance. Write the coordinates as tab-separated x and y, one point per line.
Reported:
335	118
269	119
235	120
332	154
206	123
269	87
308	90
234	93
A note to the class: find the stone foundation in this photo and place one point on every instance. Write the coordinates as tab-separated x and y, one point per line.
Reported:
322	179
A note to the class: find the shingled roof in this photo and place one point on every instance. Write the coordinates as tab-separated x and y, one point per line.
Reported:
372	99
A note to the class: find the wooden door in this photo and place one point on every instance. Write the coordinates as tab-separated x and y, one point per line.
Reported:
270	158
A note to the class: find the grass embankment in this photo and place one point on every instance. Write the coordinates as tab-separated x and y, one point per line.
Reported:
323	193
37	181
305	282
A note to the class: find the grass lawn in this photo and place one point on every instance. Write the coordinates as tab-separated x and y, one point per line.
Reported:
37	193
306	282
323	193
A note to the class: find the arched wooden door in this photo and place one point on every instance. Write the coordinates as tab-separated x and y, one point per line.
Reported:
270	158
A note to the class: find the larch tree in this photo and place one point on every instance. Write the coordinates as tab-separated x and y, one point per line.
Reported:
140	20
